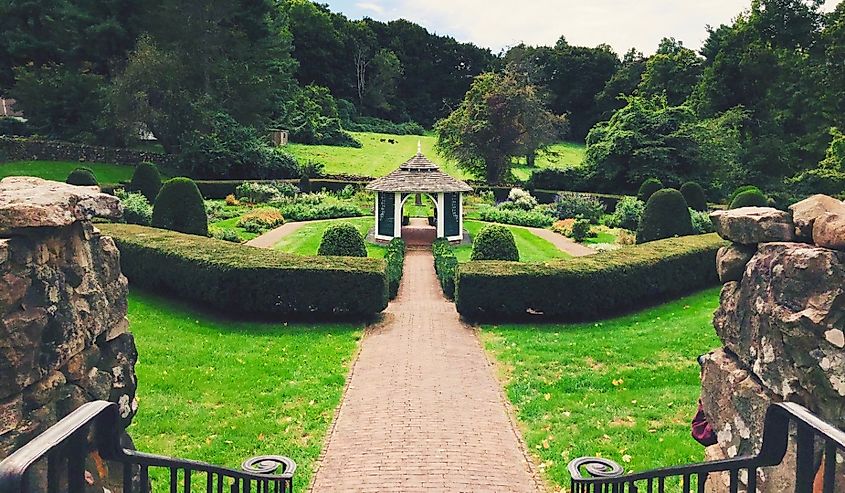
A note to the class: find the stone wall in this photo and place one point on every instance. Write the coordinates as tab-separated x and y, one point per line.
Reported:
64	336
781	319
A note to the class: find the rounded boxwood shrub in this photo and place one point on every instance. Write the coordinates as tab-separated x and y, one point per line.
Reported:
648	188
179	207
495	242
342	240
694	195
742	189
750	198
666	215
146	180
82	177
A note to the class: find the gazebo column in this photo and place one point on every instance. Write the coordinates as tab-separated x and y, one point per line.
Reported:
397	215
441	216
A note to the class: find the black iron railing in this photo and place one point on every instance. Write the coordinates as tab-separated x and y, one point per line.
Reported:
812	465
84	448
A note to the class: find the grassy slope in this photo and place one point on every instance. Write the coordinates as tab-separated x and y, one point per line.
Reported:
222	391
306	240
378	158
625	388
531	248
59	170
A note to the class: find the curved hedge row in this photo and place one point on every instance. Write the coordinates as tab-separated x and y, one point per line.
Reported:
237	278
588	287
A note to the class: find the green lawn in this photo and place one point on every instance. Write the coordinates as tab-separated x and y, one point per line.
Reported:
221	391
232	223
625	388
531	248
306	240
59	170
378	158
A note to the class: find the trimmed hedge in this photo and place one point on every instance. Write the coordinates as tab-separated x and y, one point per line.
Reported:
146	180
342	240
649	187
666	215
82	177
586	288
694	195
495	242
395	258
749	198
445	265
236	278
31	149
179	207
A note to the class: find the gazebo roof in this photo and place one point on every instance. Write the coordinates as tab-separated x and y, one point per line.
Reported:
418	174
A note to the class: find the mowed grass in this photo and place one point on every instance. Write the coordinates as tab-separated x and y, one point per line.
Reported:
306	240
222	391
531	247
379	157
625	388
59	170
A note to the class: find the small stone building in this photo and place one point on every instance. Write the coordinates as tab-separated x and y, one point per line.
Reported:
419	175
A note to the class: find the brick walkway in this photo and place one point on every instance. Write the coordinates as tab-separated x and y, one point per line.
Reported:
423	410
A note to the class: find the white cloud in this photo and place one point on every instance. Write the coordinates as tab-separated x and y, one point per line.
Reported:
620	23
371	7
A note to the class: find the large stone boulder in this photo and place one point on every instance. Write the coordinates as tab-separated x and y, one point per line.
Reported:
64	337
731	260
27	202
752	225
784	321
805	213
829	231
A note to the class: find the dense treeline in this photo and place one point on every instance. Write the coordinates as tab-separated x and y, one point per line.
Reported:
763	102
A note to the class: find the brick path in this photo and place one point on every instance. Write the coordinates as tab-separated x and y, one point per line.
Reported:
423	410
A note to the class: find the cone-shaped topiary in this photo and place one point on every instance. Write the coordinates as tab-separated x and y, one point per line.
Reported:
342	240
750	198
146	180
648	188
82	177
694	195
666	215
179	207
495	242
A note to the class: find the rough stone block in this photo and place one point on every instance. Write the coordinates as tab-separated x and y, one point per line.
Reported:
805	213
731	261
752	225
27	202
829	231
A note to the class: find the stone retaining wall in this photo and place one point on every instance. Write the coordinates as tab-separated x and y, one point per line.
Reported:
64	336
781	319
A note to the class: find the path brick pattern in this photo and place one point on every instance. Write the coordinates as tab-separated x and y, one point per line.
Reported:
423	410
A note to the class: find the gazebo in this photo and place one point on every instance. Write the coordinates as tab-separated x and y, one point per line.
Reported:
418	175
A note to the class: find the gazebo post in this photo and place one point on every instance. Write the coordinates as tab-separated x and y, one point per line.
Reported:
441	217
397	215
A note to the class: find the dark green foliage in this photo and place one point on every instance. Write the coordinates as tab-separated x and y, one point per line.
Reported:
648	188
666	215
581	230
380	126
238	279
309	212
146	180
694	195
233	151
180	207
445	265
749	198
219	189
312	118
82	176
342	240
395	258
592	287
494	242
575	179
538	218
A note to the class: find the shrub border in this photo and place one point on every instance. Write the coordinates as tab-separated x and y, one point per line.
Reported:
587	288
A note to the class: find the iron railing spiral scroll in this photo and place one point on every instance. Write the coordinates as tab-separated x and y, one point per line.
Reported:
813	467
93	429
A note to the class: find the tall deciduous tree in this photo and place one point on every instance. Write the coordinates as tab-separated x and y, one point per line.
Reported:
500	117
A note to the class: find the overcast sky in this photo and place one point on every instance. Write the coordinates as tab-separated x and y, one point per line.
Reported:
497	24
